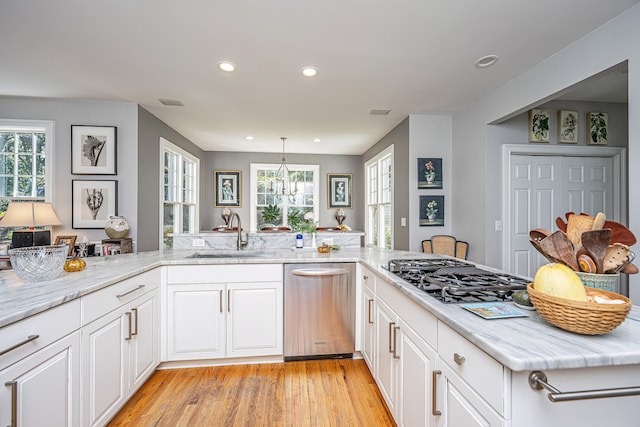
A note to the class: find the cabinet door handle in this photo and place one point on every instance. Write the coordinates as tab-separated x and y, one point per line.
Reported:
128	314
135	323
365	278
391	325
228	300
20	344
370	310
130	291
14	402
458	359
221	301
434	389
395	342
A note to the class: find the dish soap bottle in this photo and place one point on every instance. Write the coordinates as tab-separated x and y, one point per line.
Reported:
299	241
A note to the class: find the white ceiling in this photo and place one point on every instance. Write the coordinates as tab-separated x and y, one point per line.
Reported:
409	56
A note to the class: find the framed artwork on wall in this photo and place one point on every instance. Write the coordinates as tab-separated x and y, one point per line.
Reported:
339	190
429	173
597	128
538	125
431	211
93	150
227	189
568	127
93	202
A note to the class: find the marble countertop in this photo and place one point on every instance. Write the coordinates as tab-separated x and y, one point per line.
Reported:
526	343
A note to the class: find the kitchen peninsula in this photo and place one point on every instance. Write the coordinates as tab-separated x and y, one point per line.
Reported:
456	367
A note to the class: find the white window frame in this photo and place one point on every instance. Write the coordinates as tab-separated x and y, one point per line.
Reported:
167	146
253	171
386	153
47	127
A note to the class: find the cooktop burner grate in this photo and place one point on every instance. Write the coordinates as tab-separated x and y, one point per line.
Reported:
453	281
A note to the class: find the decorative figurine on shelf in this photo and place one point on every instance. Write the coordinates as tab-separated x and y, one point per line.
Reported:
340	216
226	215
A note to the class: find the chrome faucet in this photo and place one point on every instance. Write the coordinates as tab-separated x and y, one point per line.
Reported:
240	243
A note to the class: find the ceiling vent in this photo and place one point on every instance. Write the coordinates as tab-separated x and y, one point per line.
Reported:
171	102
376	112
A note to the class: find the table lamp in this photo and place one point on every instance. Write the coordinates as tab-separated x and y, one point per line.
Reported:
31	215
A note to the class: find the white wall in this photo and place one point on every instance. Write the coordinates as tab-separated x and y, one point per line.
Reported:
608	45
429	136
123	115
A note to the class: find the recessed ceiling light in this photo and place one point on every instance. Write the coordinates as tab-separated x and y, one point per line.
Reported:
309	71
227	66
248	138
316	139
486	61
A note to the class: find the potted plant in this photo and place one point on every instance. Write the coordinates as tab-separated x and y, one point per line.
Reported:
271	215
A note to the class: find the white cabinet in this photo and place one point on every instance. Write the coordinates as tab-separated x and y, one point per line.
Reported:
40	369
224	311
120	349
43	389
472	387
404	361
368	327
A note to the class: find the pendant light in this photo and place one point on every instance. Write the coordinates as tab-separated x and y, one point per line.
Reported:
284	170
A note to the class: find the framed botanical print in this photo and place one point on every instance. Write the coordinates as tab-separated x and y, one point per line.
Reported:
431	211
93	150
597	131
430	173
339	189
227	189
568	127
93	202
538	125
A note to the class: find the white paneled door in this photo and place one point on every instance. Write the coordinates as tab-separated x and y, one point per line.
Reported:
545	187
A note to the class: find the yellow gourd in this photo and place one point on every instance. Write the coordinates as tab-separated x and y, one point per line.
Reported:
560	281
74	264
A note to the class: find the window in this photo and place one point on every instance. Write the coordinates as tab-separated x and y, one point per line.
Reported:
301	192
25	173
180	182
379	219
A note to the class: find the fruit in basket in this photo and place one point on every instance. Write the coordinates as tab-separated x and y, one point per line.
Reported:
559	280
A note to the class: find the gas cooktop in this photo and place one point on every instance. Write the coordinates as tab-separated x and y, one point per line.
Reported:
456	281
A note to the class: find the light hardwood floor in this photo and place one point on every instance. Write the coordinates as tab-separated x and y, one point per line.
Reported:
337	392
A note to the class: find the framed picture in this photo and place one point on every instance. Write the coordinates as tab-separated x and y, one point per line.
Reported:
538	125
597	128
429	173
568	127
93	150
67	240
227	189
431	211
93	202
339	189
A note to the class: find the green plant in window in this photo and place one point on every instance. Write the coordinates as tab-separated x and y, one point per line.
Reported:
294	219
271	215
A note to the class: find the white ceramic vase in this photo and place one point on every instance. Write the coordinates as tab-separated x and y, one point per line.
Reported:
116	227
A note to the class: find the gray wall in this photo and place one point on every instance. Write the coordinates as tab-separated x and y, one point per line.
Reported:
605	47
150	129
217	160
399	138
123	115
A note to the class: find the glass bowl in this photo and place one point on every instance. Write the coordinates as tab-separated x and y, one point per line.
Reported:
38	263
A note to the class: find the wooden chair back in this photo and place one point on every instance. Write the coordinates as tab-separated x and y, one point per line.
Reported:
446	245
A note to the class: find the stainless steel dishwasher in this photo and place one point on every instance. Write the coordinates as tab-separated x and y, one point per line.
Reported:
319	310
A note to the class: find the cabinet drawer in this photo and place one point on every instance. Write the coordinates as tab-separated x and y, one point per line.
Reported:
49	326
483	373
105	300
224	273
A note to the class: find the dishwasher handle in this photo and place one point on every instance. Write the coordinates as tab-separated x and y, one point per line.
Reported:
314	272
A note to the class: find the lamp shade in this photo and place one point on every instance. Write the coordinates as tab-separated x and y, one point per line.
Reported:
29	214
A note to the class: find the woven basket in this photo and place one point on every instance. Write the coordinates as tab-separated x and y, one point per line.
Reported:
586	318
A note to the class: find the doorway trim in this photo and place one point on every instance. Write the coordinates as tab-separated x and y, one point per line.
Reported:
618	156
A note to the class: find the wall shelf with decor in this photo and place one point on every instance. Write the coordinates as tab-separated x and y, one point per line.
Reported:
117	246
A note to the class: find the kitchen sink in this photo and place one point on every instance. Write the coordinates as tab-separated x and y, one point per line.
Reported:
232	255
